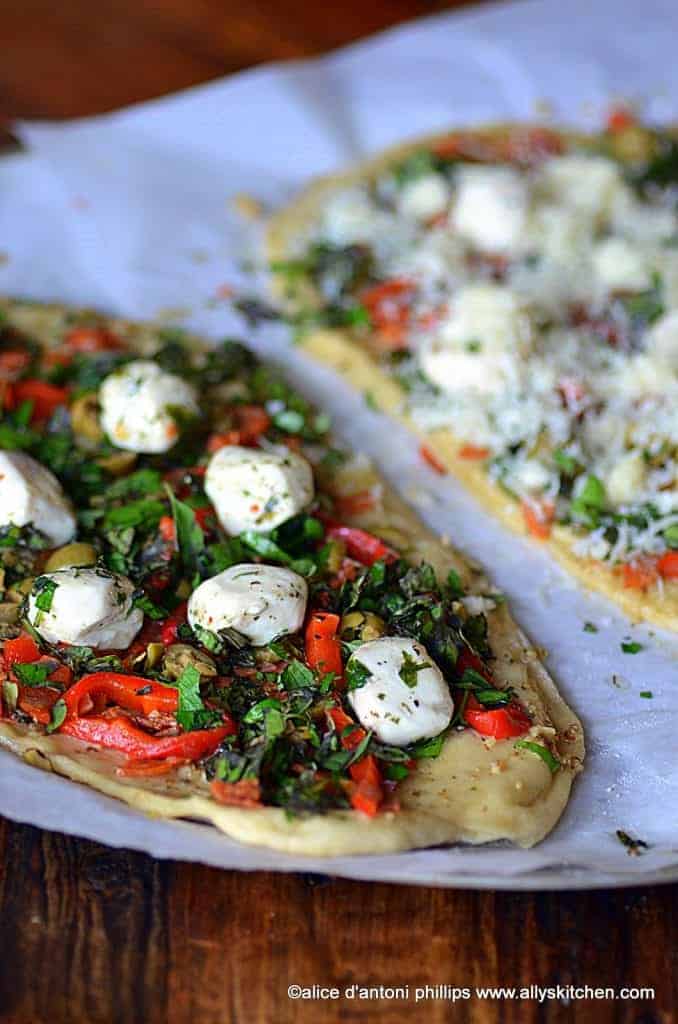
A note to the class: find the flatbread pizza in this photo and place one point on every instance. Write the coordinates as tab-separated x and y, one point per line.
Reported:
211	611
511	293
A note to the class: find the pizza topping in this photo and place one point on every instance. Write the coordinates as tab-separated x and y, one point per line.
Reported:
398	691
29	493
90	607
256	489
260	602
490	208
186	631
533	313
143	407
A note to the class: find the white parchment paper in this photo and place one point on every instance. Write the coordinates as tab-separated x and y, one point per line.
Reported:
131	212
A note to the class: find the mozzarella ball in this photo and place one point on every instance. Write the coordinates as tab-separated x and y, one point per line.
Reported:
620	266
91	607
478	347
490	208
584	182
261	602
141	405
424	198
29	493
253	489
400	710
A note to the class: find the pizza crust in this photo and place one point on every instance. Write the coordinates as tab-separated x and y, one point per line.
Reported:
338	349
476	791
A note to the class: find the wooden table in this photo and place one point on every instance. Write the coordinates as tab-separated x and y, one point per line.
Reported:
89	934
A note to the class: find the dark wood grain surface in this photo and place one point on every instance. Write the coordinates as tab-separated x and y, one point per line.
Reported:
92	935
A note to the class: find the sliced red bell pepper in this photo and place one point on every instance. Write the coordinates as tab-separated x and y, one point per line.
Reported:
667	566
619	119
501	723
539	515
361	545
473	451
353	504
468	659
244	793
429	456
323	648
388	305
166	529
134	693
249	423
123	735
13	362
367	794
37	701
22	649
170	627
45	397
640	574
92	339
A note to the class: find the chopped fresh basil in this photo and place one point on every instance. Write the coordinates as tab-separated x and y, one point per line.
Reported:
58	716
356	674
551	762
631	646
33	674
44	590
410	669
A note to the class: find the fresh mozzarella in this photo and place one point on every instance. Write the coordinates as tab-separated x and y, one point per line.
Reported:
261	602
29	493
626	478
478	346
424	198
91	607
490	208
405	697
141	405
253	489
620	266
587	183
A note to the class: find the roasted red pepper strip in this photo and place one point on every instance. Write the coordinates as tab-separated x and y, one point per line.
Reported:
367	794
501	723
123	735
92	339
134	693
170	627
45	397
667	566
22	649
361	545
323	648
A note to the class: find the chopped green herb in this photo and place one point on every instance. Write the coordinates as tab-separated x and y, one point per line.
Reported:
551	762
631	646
634	847
357	674
34	674
58	716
